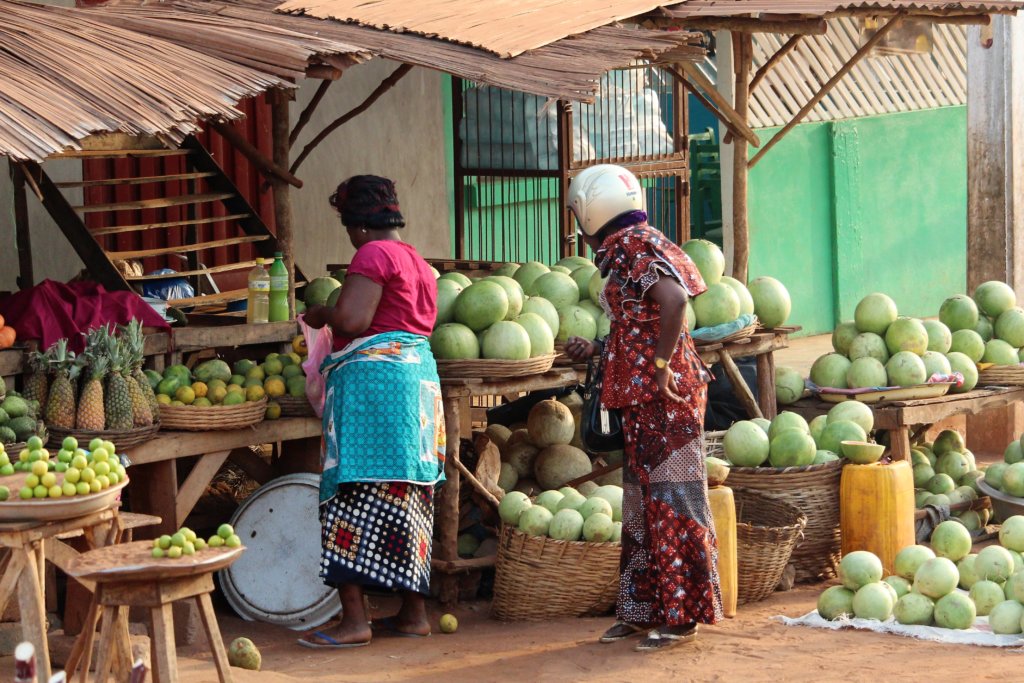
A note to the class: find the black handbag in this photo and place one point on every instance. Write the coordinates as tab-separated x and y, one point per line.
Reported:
600	427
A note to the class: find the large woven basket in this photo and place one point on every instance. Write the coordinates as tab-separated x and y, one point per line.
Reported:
539	578
294	406
212	418
814	490
767	530
122	439
13	449
494	369
713	444
1005	375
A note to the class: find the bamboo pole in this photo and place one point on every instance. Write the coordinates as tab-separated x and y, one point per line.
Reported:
307	113
279	101
784	50
743	48
23	236
247	150
695	82
811	27
864	50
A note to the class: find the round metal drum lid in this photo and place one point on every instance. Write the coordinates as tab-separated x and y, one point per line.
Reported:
277	578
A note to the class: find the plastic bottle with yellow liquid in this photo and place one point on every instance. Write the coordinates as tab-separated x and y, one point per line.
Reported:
258	306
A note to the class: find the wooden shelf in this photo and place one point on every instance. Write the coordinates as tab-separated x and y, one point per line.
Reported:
135	181
209	299
154	203
172	445
120	153
199	246
189	273
169	224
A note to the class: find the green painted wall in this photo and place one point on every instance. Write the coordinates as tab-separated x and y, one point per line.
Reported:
842	209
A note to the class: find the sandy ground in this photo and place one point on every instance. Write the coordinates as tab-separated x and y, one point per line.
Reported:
749	647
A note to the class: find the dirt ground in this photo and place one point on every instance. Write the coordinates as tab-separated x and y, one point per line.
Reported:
749	647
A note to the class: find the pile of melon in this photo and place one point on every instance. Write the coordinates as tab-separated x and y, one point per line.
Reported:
945	473
566	514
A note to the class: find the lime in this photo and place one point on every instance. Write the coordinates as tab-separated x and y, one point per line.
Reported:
5	493
156	542
40	491
449	624
157	553
55	491
4	459
32	481
73	475
186	395
39	468
95	443
174	552
61	467
69	489
215	541
113	478
101	468
103	480
35	455
111	448
188	549
65	456
48	480
70	443
189	534
164	541
225	531
25	493
34	443
200	544
6	470
88	475
94	486
100	455
23	455
82	489
178	539
79	462
233	541
121	471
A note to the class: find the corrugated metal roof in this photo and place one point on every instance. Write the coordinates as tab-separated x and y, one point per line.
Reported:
728	8
505	27
64	76
568	68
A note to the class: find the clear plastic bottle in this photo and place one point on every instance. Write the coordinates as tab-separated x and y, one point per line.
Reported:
278	289
258	308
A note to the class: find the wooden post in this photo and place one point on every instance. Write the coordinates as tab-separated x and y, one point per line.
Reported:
26	277
280	132
447	506
743	51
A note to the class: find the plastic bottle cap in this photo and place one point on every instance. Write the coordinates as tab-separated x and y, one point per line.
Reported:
278	254
259	262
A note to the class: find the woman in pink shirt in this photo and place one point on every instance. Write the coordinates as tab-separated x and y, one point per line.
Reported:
383	423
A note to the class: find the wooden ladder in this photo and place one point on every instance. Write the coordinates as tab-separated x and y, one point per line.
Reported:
207	186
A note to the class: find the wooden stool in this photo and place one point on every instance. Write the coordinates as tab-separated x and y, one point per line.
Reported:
127	575
25	568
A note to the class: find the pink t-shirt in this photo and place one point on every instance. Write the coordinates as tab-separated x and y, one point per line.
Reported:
409	300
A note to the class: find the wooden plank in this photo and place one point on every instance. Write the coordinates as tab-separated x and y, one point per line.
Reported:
11	362
200	246
117	229
167	446
152	487
551	380
191	490
119	154
198	271
739	386
141	180
210	299
195	338
154	203
447	506
213	637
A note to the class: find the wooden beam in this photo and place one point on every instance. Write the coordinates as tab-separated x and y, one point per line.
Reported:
307	113
743	50
265	165
281	146
786	48
117	229
182	248
825	89
384	86
323	71
195	484
705	91
816	26
141	180
23	238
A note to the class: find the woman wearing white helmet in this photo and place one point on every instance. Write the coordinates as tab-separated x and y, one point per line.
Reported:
652	372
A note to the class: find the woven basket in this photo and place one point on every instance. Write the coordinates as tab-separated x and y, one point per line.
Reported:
814	490
767	530
14	449
713	445
744	333
1004	375
122	439
539	578
494	369
212	418
295	406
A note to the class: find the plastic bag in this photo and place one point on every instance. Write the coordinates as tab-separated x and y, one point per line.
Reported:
171	288
318	345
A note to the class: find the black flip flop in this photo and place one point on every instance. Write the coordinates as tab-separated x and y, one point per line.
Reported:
665	638
390	626
621	630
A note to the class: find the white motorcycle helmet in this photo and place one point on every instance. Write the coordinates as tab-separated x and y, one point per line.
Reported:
602	193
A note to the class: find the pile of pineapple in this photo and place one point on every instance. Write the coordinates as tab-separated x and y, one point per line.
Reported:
74	472
19	417
101	389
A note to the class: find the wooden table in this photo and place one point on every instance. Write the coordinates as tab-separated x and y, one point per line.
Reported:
153	485
127	575
762	345
26	564
905	420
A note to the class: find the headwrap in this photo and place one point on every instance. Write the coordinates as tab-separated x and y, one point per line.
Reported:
368	201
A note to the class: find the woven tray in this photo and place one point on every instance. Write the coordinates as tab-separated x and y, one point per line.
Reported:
814	490
294	406
744	333
767	530
539	578
487	368
1004	375
121	439
215	418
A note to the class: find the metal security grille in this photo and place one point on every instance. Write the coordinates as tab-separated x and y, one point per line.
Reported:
515	154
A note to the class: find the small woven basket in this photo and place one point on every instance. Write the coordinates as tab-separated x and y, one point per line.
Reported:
743	333
212	418
294	406
814	490
767	530
13	449
1004	375
496	369
121	439
713	445
539	578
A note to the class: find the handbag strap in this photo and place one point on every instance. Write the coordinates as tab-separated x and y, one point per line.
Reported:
593	379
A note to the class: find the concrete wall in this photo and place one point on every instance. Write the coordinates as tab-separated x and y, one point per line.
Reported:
402	136
877	204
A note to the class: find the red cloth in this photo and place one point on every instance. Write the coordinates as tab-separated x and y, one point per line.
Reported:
409	300
54	310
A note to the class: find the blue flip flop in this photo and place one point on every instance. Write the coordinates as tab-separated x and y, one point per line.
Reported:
329	643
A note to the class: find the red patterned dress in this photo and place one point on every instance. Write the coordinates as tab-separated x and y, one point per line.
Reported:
668	570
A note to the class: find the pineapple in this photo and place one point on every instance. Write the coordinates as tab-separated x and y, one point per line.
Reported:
37	383
117	399
90	404
60	405
136	341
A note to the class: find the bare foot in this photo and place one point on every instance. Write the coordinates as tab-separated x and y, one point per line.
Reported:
343	634
401	625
